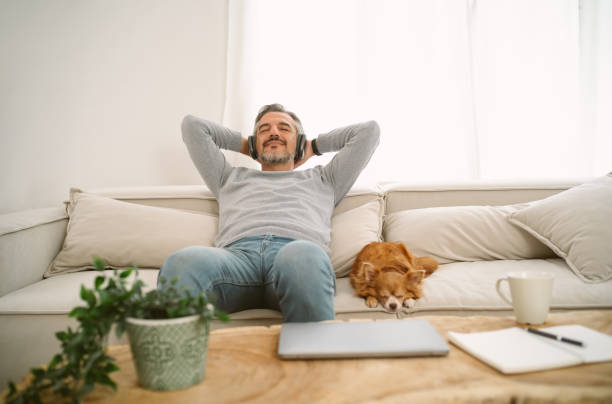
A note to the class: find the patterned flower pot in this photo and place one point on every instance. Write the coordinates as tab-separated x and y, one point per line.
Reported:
169	354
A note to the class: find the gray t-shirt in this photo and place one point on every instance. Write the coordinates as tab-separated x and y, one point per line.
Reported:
296	204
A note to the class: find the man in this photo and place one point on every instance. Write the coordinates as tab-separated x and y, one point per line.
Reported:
272	247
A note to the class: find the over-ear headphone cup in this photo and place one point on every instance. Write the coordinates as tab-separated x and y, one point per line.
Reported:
300	146
252	141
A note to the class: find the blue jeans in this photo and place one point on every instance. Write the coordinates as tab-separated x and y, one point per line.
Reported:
293	276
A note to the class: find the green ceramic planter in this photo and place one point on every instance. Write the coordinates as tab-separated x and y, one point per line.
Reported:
169	354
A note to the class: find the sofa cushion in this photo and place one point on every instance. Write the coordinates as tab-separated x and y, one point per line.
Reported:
577	225
456	287
351	230
463	233
470	286
125	234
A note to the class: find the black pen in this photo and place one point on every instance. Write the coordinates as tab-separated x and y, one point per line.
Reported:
555	337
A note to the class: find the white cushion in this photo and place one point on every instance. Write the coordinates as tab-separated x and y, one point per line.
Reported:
463	233
470	286
351	231
454	287
124	234
577	225
60	294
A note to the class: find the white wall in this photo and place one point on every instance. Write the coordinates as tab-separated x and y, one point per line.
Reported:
92	93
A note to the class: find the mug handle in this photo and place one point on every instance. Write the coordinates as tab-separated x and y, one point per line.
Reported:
499	292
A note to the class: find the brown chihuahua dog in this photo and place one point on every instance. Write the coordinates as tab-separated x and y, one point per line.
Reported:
389	273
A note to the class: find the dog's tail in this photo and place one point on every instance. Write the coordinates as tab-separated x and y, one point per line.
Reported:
427	263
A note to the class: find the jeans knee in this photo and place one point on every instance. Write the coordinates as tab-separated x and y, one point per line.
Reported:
186	265
305	282
304	262
176	264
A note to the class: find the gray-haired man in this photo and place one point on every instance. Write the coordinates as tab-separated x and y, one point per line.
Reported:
272	247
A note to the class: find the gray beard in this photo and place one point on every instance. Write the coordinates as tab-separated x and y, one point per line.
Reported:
273	158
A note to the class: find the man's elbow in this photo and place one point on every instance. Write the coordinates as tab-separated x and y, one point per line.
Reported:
188	126
373	129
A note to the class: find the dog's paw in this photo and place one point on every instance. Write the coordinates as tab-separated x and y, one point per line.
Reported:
371	301
409	303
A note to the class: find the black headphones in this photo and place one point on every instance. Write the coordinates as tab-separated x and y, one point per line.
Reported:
300	146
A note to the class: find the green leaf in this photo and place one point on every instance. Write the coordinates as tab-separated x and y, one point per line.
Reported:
77	312
99	264
99	281
86	388
57	358
83	293
111	284
222	316
104	379
125	273
38	372
111	367
91	360
58	385
105	297
88	296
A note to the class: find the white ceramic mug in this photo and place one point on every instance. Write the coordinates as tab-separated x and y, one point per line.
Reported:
531	294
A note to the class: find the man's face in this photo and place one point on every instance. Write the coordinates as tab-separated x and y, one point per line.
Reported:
276	138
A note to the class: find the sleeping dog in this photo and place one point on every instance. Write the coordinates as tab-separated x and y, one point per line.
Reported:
389	273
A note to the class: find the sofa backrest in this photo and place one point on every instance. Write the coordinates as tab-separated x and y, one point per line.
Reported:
200	199
403	196
398	195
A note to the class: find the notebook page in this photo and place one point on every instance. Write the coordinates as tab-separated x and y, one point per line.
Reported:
597	345
513	350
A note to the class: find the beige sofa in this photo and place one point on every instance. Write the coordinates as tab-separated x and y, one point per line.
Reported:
466	226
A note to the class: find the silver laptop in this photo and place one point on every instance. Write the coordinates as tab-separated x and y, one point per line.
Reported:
360	339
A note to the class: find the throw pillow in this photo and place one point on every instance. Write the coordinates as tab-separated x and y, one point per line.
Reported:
577	225
463	233
351	231
125	234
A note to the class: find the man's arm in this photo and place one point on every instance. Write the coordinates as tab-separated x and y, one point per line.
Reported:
204	140
355	145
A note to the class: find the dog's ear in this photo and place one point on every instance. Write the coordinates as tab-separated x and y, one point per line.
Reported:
415	276
409	256
368	270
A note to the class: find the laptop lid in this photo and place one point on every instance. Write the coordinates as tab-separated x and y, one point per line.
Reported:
360	339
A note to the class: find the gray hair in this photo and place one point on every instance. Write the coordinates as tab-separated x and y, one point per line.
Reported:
278	108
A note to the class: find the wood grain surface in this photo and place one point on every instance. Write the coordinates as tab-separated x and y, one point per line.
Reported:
243	367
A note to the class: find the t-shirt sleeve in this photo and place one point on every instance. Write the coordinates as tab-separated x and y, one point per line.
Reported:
204	140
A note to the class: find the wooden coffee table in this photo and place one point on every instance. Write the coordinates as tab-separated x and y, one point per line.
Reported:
243	366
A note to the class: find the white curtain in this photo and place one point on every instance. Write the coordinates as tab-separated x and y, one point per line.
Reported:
516	89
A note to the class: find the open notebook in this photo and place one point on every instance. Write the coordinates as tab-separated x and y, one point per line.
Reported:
514	350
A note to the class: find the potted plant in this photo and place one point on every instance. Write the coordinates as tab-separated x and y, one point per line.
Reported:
167	328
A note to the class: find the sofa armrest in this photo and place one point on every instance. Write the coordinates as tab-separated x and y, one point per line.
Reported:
29	240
